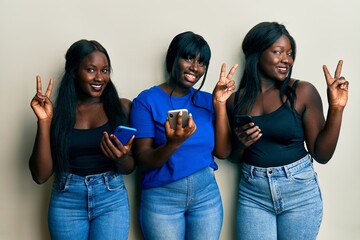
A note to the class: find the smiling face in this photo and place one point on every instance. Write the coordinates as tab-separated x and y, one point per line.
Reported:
190	71
277	60
94	74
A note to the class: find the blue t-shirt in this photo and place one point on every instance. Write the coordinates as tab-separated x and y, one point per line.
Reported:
148	115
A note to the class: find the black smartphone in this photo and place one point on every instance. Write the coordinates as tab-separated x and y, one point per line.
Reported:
173	115
241	120
124	133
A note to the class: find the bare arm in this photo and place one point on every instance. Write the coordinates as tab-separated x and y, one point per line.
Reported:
41	162
150	157
222	91
321	135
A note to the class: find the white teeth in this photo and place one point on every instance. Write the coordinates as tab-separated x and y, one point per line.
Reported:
282	69
190	76
96	87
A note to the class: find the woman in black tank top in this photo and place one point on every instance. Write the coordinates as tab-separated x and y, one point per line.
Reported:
279	197
89	199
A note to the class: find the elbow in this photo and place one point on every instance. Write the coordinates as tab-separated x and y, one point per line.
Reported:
224	154
37	176
322	160
127	171
39	180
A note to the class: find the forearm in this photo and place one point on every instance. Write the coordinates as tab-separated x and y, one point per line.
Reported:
41	163
151	158
327	139
237	152
125	164
222	132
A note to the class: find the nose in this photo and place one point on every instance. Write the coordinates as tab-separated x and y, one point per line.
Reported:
284	58
99	76
194	65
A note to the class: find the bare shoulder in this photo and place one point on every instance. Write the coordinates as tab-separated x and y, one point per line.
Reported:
304	88
306	92
126	104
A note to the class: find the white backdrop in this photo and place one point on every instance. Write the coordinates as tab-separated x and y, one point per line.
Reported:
35	35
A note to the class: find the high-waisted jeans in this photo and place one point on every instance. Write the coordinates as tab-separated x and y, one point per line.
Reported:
91	207
279	203
189	208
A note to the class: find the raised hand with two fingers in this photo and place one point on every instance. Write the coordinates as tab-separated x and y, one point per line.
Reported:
225	86
337	90
41	103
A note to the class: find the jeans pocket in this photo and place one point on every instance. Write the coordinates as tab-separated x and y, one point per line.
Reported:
306	174
114	182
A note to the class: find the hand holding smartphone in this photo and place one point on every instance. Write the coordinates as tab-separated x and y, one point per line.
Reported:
173	117
124	133
241	120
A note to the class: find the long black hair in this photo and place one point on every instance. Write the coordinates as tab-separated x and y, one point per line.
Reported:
187	45
66	101
256	41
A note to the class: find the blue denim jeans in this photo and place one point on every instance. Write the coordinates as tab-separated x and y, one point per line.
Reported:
91	207
190	208
279	203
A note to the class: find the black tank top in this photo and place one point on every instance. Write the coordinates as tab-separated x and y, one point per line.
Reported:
282	141
86	157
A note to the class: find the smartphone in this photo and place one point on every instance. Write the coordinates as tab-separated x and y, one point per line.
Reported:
241	120
173	116
124	133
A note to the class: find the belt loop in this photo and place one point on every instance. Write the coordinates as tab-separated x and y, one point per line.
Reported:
68	179
252	171
287	172
105	178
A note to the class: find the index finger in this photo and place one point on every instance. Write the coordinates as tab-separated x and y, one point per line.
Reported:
223	70
338	69
327	75
38	85
49	88
232	71
179	120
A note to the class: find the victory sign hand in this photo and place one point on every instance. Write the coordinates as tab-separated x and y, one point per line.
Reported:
225	86
337	87
41	104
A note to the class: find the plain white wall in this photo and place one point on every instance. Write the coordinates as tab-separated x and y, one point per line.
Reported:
35	35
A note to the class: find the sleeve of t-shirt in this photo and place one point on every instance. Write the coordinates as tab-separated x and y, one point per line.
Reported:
141	118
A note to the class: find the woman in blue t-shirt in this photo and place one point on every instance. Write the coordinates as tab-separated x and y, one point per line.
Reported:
180	198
